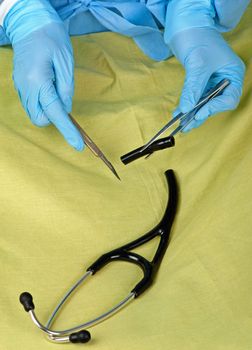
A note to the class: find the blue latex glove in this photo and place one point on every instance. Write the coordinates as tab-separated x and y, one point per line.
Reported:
3	38
229	13
206	57
43	66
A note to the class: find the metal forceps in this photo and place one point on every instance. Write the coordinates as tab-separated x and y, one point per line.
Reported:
79	334
93	147
186	118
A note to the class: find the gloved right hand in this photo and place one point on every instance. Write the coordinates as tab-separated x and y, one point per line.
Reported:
229	13
207	58
43	66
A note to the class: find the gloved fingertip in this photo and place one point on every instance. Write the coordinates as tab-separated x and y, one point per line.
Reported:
216	105
202	114
176	112
193	125
40	120
185	105
187	129
76	143
80	147
67	103
56	113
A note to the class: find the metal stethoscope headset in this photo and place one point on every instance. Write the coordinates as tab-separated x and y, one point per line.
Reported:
79	334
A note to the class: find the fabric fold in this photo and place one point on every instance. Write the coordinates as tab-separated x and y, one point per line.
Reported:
129	18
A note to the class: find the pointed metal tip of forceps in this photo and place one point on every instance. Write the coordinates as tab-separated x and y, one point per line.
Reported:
93	147
148	156
161	131
117	176
110	166
113	170
146	145
115	173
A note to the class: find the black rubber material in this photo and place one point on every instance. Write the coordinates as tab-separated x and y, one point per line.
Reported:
27	301
158	145
162	230
80	337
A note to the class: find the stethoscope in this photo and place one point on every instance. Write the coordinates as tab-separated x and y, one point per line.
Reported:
79	334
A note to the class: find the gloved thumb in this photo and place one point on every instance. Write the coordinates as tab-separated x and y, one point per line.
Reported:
196	80
56	114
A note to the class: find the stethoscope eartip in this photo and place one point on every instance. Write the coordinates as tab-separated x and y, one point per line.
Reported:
80	337
27	301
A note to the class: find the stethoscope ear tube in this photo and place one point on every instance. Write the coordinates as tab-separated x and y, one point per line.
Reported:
158	145
80	337
83	336
26	300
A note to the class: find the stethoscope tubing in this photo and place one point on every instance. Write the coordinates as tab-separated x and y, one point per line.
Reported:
123	253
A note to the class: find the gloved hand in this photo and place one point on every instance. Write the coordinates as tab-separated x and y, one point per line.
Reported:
207	58
43	66
229	13
3	38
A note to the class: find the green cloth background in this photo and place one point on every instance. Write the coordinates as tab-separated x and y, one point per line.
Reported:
61	209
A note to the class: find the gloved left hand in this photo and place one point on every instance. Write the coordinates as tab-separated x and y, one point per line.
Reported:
43	65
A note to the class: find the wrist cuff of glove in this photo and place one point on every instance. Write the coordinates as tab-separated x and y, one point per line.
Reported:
3	38
5	6
26	16
185	14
